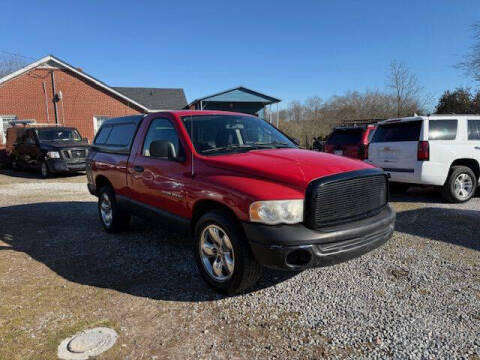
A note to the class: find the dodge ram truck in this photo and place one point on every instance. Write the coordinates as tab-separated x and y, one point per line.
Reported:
249	197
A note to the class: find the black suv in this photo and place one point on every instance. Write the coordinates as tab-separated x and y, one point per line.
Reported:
49	149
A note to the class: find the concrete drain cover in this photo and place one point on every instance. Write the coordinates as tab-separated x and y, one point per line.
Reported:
87	343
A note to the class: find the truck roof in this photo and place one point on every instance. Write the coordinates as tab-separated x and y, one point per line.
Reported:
137	118
431	117
200	112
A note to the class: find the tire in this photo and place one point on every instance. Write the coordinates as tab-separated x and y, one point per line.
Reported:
460	185
112	218
398	188
245	272
44	170
14	164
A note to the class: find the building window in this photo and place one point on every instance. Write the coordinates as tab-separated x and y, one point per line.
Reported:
98	121
4	125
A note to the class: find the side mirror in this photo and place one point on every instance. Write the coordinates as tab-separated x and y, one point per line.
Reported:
165	150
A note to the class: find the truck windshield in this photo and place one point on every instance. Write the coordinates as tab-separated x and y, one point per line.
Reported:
345	137
220	134
58	134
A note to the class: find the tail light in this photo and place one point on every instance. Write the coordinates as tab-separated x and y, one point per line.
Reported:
363	152
423	153
329	148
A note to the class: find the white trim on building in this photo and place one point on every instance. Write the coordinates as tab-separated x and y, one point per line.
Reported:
48	60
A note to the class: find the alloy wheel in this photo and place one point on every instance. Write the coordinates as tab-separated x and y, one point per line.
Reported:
44	170
216	253
463	186
106	209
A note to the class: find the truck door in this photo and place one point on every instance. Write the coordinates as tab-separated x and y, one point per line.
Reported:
32	149
160	182
25	149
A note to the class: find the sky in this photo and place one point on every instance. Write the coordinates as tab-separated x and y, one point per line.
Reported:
287	49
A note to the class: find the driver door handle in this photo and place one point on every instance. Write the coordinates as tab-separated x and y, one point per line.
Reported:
138	168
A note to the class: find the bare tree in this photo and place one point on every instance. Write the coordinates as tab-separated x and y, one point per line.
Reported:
10	63
315	117
405	88
471	62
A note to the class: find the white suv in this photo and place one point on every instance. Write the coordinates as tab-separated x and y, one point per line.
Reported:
441	150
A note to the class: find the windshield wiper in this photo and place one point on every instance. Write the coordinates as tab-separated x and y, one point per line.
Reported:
274	144
232	147
229	148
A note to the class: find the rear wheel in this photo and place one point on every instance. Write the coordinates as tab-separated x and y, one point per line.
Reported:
223	257
460	185
112	218
14	164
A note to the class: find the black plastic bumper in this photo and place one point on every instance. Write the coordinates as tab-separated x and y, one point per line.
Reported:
296	247
62	166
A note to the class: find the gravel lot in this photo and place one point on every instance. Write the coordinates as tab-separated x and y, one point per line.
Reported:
416	297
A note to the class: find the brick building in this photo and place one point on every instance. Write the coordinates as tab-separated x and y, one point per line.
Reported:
50	91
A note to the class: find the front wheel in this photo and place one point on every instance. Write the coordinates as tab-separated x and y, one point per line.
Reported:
112	218
223	257
44	171
460	185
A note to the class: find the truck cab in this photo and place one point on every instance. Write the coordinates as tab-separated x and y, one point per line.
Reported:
249	197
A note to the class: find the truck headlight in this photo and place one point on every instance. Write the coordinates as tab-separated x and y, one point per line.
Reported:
273	212
53	155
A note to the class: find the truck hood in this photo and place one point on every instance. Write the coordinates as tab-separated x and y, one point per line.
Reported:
290	166
54	145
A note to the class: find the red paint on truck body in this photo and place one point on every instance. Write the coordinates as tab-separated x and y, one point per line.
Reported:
234	180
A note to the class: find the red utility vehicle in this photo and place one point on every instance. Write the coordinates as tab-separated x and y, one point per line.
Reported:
247	194
350	141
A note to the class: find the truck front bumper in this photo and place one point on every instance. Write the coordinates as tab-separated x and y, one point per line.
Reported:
296	247
62	166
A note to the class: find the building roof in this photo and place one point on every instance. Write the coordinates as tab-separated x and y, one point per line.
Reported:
239	94
172	96
155	98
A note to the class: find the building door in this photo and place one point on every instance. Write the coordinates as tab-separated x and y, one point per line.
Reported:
4	125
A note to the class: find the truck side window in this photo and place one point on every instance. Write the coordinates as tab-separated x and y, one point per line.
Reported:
102	135
442	130
161	129
473	129
121	134
30	138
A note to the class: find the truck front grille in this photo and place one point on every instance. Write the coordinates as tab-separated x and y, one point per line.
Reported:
74	153
338	199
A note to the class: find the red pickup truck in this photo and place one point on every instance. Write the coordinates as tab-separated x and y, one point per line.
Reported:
247	194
